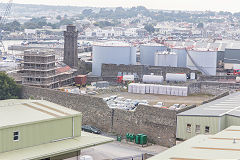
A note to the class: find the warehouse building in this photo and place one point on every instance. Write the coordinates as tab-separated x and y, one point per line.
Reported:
223	145
209	118
231	58
38	129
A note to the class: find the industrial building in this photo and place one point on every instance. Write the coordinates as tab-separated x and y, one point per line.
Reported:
223	145
112	52
231	58
147	53
209	118
41	69
38	129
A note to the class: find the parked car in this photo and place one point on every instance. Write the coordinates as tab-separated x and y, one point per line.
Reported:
91	129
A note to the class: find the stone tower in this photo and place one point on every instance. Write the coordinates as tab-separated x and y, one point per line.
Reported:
70	46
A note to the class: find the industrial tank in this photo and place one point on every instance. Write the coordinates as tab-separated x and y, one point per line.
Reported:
112	53
147	52
153	79
182	56
204	61
176	77
166	58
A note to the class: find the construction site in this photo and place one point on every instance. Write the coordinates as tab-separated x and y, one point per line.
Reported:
41	69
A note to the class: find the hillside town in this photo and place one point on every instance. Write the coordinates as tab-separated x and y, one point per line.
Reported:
89	83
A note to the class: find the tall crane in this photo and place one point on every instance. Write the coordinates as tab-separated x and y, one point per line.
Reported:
3	18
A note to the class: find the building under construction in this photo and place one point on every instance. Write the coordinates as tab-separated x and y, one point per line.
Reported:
41	69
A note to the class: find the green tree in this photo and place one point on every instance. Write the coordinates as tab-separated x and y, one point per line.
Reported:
12	26
8	87
58	17
149	28
200	25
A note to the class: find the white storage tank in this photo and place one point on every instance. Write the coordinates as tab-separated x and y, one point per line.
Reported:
176	77
153	79
166	58
182	56
112	53
204	61
147	52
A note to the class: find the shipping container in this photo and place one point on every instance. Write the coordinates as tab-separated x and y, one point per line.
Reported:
80	80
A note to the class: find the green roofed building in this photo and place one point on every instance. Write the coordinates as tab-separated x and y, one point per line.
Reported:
209	118
223	145
38	129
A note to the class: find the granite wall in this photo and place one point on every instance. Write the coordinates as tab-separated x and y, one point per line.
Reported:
158	124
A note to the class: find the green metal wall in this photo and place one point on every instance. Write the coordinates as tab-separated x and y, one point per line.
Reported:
213	122
233	121
77	125
39	133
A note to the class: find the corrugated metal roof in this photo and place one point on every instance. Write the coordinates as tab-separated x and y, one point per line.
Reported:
56	148
229	105
206	147
19	111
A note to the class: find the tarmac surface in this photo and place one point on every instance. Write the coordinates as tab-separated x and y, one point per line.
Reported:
121	151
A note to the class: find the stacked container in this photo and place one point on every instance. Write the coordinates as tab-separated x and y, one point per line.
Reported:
157	89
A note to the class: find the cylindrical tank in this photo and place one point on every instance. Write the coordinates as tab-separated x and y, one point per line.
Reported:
204	61
147	52
166	58
176	77
153	79
112	53
182	56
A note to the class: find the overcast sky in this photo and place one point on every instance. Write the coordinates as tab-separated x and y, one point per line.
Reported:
215	5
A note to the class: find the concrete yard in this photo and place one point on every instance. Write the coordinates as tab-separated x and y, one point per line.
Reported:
121	150
153	99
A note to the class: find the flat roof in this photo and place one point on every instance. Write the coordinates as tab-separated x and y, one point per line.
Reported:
56	148
206	147
21	111
229	105
112	44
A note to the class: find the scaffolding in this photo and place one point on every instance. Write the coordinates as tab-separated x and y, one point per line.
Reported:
39	69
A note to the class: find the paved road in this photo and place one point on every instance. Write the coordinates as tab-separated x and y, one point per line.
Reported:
118	150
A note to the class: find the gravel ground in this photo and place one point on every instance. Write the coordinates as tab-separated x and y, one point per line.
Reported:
153	99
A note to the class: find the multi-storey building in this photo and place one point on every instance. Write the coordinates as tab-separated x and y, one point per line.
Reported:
41	69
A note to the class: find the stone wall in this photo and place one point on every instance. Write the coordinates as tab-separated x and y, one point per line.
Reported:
213	88
216	78
111	70
158	124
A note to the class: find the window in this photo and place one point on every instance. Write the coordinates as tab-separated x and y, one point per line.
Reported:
197	129
207	129
189	128
16	136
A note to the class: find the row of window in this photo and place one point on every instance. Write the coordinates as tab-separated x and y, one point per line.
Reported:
197	129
